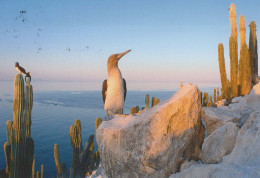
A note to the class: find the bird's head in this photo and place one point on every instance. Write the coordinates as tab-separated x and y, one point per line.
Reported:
16	64
114	58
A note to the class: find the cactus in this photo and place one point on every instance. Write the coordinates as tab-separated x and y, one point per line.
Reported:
245	73
42	168
60	167
242	30
82	159
233	67
147	101
210	103
223	74
137	109
215	95
233	21
20	146
155	101
253	52
33	168
218	97
133	110
98	122
181	85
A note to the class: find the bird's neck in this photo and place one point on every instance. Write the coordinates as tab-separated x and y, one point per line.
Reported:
114	72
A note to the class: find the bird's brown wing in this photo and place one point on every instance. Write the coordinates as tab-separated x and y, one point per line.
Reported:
104	90
22	70
125	89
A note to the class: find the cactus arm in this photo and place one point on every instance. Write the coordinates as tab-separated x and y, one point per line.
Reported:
147	104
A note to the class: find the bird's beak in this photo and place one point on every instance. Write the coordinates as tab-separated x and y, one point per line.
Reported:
122	54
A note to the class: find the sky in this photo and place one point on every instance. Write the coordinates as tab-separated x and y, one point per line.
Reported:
66	40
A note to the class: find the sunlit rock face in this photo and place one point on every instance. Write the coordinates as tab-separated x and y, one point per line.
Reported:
243	161
215	118
156	142
220	143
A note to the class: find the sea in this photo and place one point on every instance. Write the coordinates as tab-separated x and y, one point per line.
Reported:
56	106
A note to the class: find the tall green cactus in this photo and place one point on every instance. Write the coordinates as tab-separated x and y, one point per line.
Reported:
242	30
82	159
233	67
253	52
223	75
245	73
233	21
19	149
233	53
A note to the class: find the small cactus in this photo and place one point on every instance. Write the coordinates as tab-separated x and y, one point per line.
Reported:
98	122
133	110
181	85
147	101
155	101
215	95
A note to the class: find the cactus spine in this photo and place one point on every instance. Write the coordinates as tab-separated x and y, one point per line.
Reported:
223	75
19	149
253	52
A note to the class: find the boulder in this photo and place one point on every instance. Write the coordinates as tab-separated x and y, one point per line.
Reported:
155	142
222	170
247	148
222	102
220	143
243	161
186	164
215	118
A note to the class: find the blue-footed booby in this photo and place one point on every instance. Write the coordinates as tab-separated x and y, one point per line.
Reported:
114	88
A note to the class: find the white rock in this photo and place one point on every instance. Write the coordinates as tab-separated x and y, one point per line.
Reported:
155	142
220	143
187	164
222	102
215	118
247	148
222	170
243	161
255	90
238	99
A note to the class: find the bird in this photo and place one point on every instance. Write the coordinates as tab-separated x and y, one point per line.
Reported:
114	87
28	77
19	68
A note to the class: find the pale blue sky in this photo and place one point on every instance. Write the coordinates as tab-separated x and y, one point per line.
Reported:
170	40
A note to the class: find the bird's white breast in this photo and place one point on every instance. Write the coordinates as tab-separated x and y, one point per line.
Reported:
115	92
17	69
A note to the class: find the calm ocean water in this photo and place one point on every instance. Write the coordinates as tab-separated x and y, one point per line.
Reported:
57	105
